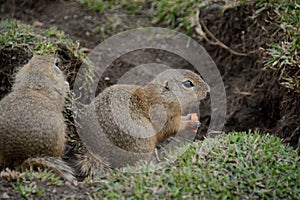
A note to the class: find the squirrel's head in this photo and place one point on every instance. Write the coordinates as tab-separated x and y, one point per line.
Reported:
187	86
42	74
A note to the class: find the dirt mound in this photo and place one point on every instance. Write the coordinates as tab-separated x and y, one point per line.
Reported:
255	99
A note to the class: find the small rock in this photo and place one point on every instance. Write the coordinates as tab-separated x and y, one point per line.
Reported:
37	23
5	196
87	17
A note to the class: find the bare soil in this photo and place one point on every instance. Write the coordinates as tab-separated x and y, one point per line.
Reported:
255	100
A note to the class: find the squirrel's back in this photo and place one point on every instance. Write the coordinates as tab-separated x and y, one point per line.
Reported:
124	123
31	121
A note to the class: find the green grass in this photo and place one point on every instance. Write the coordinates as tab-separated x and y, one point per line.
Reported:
26	183
234	166
284	57
131	6
245	165
175	13
178	14
17	35
115	14
43	176
28	189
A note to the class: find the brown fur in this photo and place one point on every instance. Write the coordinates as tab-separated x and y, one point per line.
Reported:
32	127
155	107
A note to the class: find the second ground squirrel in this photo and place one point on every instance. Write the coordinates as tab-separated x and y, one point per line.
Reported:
124	123
32	128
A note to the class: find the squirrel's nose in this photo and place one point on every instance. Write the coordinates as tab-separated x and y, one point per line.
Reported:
207	87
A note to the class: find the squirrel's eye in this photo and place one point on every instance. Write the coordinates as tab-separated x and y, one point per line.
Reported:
188	84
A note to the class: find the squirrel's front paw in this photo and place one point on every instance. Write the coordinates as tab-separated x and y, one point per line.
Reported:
189	122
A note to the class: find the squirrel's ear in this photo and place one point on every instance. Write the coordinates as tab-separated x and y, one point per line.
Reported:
56	62
166	85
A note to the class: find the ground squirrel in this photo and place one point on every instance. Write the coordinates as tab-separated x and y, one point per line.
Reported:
32	128
126	122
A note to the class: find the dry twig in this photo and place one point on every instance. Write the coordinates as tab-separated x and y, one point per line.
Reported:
215	41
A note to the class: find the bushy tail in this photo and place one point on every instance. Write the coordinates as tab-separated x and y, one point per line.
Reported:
90	165
57	165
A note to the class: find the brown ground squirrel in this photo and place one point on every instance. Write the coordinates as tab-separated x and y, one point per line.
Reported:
32	128
124	123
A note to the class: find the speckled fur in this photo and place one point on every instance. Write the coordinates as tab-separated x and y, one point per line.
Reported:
107	119
31	120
